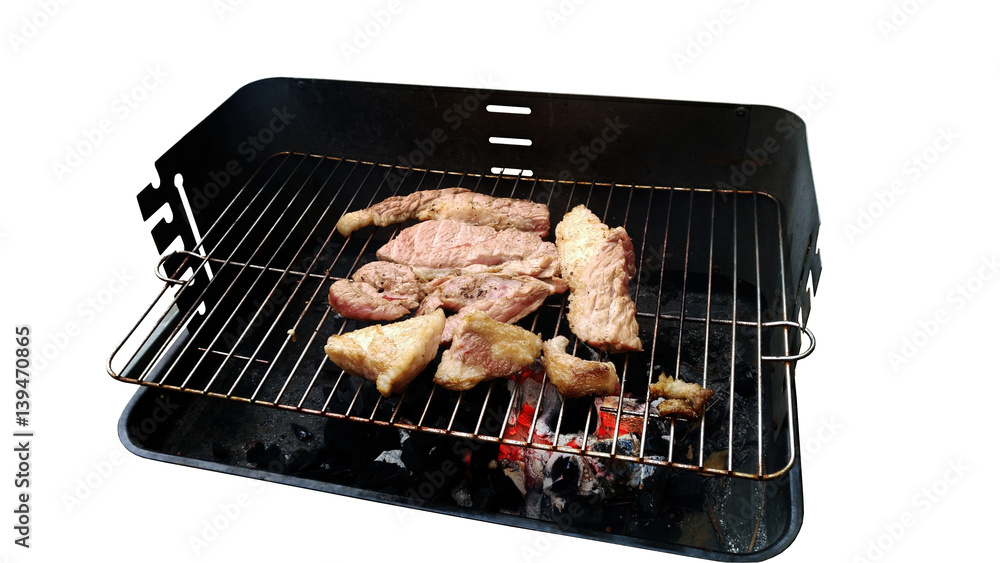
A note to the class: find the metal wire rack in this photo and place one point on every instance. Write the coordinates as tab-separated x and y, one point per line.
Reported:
243	316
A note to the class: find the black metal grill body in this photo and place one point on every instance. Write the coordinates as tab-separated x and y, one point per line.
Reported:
721	194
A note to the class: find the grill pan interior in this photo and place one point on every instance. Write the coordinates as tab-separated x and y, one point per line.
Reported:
263	286
722	278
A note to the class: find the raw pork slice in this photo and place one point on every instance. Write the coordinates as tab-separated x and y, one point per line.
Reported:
683	399
597	262
574	377
441	247
485	349
381	291
457	204
389	355
503	297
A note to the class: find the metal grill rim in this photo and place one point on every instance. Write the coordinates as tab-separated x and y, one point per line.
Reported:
203	260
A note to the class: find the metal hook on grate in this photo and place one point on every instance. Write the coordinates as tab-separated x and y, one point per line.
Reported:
160	265
791	324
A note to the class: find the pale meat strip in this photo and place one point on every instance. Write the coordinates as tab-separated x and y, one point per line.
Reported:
503	297
381	291
391	355
362	301
575	377
682	398
597	262
435	248
485	349
452	203
395	209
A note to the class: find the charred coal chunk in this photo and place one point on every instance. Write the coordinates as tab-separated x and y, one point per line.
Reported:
384	477
485	499
481	457
436	472
357	445
266	457
662	503
745	382
301	432
615	515
565	475
303	461
416	449
578	511
219	452
337	474
509	493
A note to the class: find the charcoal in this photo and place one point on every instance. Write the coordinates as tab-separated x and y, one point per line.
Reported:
461	495
508	496
423	452
268	458
301	432
565	475
302	460
384	477
338	475
615	515
577	511
414	450
745	382
359	443
484	499
219	452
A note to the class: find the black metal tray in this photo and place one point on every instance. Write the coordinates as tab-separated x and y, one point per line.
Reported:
685	146
206	433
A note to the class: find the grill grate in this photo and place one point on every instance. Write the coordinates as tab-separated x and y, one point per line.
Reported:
245	317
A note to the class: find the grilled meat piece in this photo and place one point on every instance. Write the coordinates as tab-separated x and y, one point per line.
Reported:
458	204
503	297
574	377
392	210
597	262
396	281
683	399
381	291
436	248
354	300
485	349
389	355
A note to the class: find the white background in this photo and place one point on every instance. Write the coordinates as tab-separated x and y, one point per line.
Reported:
879	438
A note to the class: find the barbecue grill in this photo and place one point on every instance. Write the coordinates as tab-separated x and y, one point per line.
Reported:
717	198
